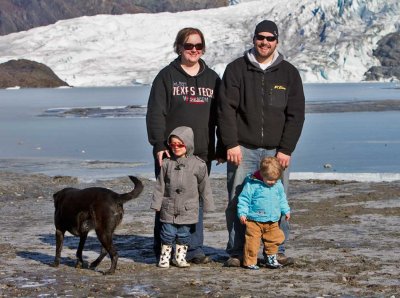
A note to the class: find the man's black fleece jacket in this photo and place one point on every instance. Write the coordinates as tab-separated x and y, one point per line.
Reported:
261	108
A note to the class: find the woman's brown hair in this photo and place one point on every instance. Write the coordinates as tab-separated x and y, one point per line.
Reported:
183	35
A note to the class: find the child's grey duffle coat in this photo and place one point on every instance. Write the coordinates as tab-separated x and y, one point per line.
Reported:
182	183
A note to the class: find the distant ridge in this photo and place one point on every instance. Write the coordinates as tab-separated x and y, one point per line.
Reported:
18	16
329	41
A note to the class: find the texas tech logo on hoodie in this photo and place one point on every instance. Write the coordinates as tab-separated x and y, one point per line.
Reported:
192	94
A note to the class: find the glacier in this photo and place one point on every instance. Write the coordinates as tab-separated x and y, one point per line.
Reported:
327	40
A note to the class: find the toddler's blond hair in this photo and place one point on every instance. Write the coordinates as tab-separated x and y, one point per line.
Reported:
270	168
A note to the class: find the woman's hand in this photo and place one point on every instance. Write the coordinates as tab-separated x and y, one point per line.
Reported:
160	155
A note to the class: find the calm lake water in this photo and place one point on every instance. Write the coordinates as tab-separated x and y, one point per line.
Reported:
101	147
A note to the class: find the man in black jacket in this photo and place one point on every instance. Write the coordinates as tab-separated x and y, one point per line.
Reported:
260	113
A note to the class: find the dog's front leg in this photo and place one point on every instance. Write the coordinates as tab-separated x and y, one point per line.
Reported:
79	260
59	245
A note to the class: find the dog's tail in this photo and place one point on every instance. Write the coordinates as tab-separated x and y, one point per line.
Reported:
134	193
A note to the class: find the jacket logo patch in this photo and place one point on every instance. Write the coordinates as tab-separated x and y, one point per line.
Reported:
279	87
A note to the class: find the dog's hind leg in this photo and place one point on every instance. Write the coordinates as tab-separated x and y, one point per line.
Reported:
95	263
106	241
79	260
59	245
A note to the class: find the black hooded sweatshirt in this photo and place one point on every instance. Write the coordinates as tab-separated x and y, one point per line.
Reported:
179	99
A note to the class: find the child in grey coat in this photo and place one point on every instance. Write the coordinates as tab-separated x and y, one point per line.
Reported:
182	181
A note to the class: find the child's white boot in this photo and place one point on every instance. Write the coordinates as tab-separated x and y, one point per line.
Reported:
272	262
180	256
165	256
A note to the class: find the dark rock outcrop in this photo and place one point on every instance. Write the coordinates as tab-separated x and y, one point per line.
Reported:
19	15
388	54
28	74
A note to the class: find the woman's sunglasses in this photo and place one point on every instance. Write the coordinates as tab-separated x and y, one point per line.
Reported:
190	46
177	145
268	38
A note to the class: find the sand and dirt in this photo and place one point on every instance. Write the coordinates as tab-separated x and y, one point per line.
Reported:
345	240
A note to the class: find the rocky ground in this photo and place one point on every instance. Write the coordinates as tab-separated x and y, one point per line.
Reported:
345	239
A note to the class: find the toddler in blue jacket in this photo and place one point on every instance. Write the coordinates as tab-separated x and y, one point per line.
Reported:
261	204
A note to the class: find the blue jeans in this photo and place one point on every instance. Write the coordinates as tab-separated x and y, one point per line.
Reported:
196	232
235	177
195	242
171	233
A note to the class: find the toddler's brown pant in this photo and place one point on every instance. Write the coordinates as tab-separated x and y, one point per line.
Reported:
271	235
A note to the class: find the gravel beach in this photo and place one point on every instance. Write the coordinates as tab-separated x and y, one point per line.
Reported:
345	240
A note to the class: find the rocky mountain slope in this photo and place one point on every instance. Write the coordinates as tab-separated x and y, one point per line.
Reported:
388	54
25	73
327	40
20	15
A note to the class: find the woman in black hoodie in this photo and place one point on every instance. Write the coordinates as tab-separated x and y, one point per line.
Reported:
183	94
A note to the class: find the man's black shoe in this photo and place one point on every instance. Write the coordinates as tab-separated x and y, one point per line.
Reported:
201	260
232	262
284	260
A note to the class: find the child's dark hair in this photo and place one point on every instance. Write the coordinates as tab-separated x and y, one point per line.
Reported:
174	136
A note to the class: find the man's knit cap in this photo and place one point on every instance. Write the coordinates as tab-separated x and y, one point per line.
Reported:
267	26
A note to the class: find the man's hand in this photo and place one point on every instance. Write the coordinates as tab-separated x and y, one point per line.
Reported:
243	219
284	159
160	155
287	216
234	155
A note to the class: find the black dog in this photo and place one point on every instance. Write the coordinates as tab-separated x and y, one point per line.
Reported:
80	210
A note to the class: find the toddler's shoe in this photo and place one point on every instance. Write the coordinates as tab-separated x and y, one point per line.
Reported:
272	262
252	267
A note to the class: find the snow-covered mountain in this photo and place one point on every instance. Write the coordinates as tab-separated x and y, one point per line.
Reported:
328	40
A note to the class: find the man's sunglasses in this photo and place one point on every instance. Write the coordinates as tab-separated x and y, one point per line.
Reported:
268	38
177	145
190	46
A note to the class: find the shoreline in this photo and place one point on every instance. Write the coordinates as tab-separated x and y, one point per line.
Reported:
88	171
83	171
